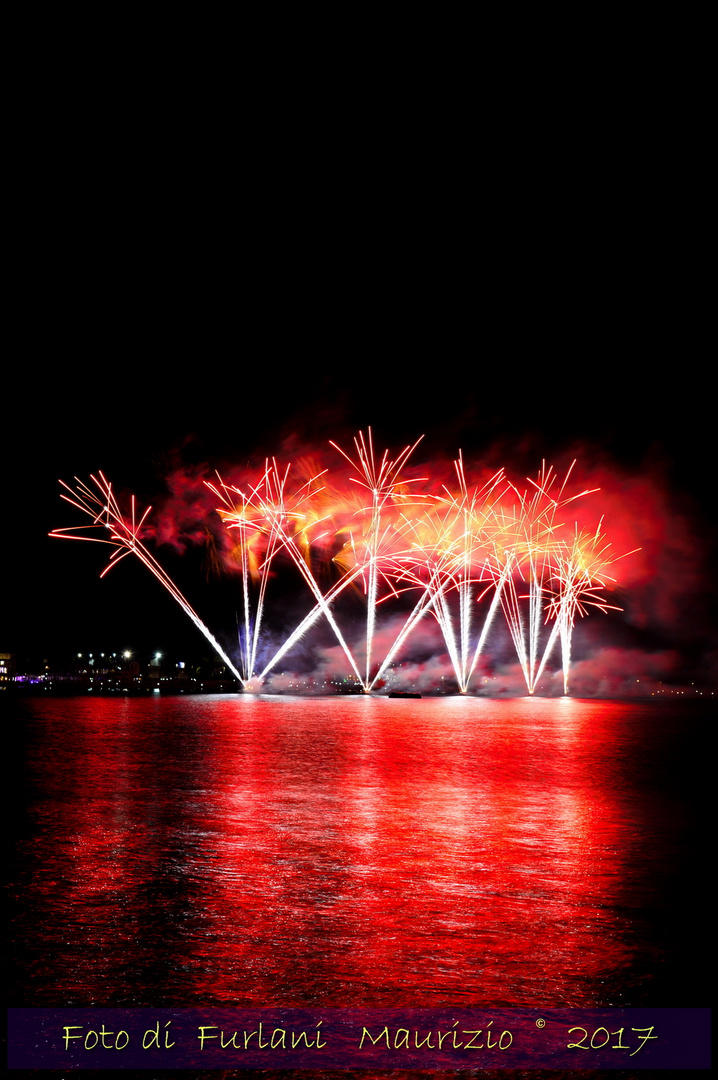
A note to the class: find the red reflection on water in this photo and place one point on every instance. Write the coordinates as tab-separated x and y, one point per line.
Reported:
345	851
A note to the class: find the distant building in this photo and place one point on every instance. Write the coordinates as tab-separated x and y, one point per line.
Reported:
7	667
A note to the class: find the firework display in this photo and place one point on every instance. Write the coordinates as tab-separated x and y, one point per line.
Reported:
454	552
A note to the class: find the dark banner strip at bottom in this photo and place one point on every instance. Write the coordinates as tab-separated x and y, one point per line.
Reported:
334	1038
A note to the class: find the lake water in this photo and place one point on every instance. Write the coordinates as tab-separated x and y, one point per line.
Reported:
359	851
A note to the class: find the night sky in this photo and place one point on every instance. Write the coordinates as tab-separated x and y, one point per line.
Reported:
138	395
183	294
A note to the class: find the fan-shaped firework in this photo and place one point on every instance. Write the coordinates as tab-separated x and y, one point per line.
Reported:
460	552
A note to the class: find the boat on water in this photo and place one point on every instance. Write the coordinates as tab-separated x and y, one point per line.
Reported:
402	693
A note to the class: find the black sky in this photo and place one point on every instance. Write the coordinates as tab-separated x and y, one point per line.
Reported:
522	278
113	403
152	332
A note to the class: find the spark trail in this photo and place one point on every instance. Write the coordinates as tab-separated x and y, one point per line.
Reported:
123	536
383	481
284	522
579	569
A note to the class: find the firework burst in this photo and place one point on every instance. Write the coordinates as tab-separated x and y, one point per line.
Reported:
464	552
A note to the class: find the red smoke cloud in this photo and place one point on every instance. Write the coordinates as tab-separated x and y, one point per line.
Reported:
656	573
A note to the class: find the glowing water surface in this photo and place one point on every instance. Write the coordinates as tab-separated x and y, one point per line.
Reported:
353	851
